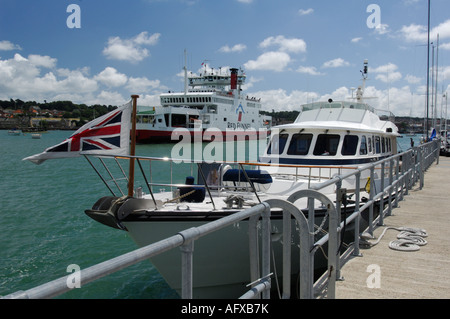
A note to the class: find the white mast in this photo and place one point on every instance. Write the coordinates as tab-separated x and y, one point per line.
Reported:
360	90
185	74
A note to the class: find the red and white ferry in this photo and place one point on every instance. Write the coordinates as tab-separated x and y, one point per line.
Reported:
214	101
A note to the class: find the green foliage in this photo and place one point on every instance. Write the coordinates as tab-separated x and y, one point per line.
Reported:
69	109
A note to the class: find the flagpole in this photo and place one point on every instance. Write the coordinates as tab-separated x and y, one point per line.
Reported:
132	145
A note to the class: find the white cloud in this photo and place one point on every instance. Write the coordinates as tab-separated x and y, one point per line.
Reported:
387	73
293	45
44	61
382	29
418	33
444	73
139	85
31	80
304	12
272	61
280	99
308	70
111	77
22	78
235	48
356	40
8	46
130	50
412	79
336	63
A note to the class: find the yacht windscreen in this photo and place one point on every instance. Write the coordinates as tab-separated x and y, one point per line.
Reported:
300	144
277	144
349	145
326	144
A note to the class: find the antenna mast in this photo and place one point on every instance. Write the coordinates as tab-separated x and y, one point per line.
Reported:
360	90
185	74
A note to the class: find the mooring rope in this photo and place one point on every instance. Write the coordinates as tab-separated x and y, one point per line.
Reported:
409	239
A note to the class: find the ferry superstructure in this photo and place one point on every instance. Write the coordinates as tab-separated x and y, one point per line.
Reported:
215	101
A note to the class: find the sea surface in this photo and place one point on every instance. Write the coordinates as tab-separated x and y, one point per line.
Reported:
43	227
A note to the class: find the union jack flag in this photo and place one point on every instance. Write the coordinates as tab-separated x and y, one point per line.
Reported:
108	134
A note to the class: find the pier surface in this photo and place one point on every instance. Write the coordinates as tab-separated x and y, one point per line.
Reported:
407	274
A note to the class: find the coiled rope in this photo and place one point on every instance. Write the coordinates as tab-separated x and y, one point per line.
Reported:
409	239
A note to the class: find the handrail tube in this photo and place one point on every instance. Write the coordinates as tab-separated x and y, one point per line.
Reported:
256	290
59	286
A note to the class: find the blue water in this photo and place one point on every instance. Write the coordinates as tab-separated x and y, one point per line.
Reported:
43	227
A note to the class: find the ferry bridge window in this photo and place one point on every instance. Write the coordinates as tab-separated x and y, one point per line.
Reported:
178	120
349	145
370	145
363	147
300	144
383	145
326	144
277	144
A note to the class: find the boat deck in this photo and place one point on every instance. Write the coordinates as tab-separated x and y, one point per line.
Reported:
407	274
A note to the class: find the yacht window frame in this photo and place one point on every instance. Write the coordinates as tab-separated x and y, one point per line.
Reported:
363	146
278	140
293	150
349	145
323	144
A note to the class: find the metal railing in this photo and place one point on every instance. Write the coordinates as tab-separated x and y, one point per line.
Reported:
404	170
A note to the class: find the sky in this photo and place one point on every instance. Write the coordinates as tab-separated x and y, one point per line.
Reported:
292	51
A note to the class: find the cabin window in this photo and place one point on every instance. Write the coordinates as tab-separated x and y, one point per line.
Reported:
300	144
363	147
377	145
370	144
277	144
178	120
383	145
326	144
349	145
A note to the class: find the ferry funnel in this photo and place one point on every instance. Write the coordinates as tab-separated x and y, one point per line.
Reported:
234	73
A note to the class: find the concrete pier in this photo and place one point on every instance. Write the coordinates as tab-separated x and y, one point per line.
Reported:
384	273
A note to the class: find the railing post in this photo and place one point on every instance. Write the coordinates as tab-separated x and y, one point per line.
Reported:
397	170
286	254
266	238
421	167
381	213
333	259
187	251
357	195
371	196
339	193
253	248
391	167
